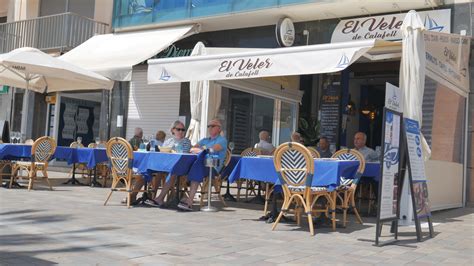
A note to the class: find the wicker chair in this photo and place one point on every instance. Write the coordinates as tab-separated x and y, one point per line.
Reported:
295	167
314	153
216	182
102	169
249	184
120	154
346	190
41	152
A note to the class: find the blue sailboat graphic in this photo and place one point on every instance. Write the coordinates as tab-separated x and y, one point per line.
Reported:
431	24
343	62
164	75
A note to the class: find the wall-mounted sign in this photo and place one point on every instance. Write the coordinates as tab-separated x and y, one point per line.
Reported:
448	56
388	27
330	110
393	98
174	51
285	32
4	89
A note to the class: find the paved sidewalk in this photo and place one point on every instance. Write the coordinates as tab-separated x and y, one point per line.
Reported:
71	226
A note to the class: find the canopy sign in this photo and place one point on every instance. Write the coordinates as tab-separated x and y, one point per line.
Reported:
388	27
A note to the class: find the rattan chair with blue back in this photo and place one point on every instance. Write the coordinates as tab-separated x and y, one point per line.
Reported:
120	155
250	185
314	153
347	188
41	152
295	166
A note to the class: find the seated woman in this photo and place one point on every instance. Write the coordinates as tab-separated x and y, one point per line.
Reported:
216	142
179	144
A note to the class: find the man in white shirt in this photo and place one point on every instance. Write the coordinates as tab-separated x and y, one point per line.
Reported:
264	145
360	139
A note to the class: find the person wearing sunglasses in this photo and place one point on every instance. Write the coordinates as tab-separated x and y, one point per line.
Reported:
218	144
179	144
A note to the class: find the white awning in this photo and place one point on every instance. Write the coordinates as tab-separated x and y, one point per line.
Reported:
114	55
301	60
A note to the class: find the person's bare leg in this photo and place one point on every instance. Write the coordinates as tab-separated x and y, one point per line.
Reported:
192	191
155	182
160	199
139	183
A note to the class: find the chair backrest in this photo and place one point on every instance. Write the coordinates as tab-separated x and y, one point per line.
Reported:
29	142
314	153
120	154
92	145
352	155
228	156
76	145
1	141
294	164
251	152
43	149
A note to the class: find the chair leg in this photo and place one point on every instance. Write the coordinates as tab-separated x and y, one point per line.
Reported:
239	187
114	185
310	222
333	209
345	206
355	209
13	176
217	187
267	198
45	174
31	176
283	209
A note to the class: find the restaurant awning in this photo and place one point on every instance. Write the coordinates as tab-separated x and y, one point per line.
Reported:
114	55
301	60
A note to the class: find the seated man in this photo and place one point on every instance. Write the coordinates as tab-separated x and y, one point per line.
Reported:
157	141
296	137
265	146
218	144
137	139
323	148
360	139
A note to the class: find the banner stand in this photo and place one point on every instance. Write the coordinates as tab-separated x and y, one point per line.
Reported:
389	191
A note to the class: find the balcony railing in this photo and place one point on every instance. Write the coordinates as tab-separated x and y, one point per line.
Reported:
60	32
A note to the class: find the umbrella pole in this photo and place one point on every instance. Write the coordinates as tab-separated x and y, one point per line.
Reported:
24	115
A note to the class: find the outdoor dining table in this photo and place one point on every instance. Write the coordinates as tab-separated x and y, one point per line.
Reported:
327	172
89	156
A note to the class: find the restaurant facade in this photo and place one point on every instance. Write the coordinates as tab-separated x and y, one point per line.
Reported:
339	102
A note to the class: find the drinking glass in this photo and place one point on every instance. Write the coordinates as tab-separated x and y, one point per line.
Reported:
231	146
97	141
146	140
13	137
332	148
79	141
17	137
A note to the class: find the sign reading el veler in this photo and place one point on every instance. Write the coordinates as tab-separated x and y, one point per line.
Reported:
388	27
301	60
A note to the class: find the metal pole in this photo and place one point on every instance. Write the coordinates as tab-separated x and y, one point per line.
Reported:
209	208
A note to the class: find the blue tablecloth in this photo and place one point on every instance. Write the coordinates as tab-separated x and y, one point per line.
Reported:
14	151
90	156
230	167
372	172
172	163
327	173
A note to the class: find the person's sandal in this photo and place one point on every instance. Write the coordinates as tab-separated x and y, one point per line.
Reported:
184	206
152	203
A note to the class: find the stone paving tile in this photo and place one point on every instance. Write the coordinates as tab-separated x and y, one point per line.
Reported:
71	226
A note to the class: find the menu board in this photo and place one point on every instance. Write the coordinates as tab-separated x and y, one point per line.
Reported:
330	112
388	198
78	118
417	165
417	169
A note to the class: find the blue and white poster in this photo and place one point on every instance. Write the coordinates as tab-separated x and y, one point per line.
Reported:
417	168
390	166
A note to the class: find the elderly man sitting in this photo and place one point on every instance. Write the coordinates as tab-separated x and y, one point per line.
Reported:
218	144
360	139
265	146
323	148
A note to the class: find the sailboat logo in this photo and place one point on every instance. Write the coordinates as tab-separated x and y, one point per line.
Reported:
164	75
432	25
343	62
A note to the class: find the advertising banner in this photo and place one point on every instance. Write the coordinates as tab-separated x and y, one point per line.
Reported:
330	111
388	195
388	27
